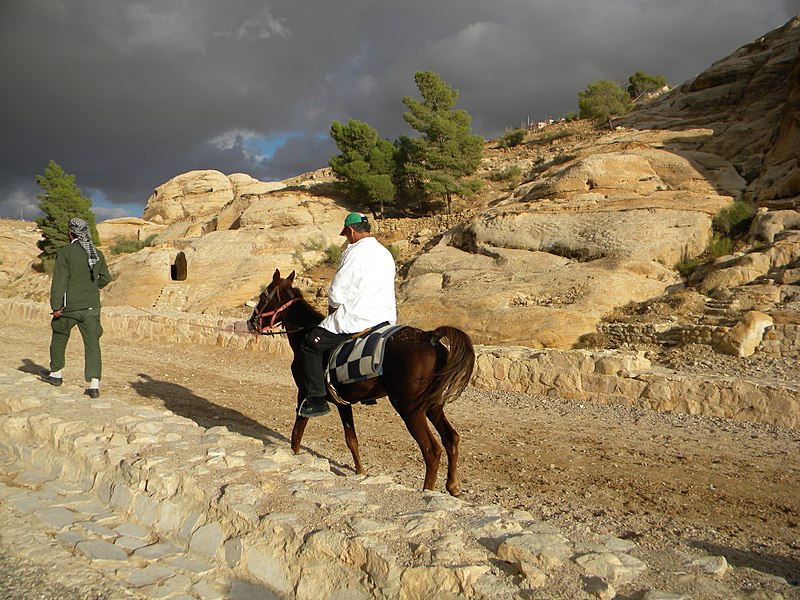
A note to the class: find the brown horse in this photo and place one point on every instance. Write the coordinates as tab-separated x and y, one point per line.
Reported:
420	375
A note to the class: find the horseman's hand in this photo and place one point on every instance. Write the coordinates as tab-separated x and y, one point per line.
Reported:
56	313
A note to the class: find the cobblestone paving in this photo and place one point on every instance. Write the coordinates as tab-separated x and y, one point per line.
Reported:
90	551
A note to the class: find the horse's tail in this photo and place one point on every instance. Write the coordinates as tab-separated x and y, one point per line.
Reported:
451	377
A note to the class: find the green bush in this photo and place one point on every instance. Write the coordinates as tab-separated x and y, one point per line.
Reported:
333	254
512	138
734	220
591	341
395	252
552	136
126	246
509	173
130	245
47	264
719	245
687	266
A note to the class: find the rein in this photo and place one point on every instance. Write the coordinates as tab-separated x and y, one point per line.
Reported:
273	316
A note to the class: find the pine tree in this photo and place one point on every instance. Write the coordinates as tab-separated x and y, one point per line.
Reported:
365	167
641	83
61	201
603	99
439	162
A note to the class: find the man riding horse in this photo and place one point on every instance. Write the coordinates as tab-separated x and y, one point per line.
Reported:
360	297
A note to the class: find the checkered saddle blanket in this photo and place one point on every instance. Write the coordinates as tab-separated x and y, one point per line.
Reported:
360	357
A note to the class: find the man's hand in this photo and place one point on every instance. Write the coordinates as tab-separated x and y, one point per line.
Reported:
56	314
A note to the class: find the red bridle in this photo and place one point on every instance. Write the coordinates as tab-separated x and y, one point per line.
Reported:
273	315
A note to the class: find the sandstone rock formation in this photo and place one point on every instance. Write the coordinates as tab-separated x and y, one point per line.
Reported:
750	100
198	194
225	268
604	222
134	228
745	336
601	230
17	248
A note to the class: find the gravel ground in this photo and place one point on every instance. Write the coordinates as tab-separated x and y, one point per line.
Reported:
676	485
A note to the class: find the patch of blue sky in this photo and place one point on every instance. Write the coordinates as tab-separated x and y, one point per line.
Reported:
258	147
104	209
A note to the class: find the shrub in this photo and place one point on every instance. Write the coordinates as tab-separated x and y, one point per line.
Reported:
719	245
735	219
126	246
509	173
512	138
395	252
333	254
552	136
130	245
593	340
641	83
687	266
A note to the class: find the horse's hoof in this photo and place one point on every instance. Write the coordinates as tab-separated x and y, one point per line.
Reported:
454	490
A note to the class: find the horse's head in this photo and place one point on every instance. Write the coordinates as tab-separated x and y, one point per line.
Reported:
275	298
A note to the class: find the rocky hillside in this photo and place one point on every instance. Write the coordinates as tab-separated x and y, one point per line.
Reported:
576	235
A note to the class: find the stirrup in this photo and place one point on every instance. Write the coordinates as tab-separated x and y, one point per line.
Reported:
313	407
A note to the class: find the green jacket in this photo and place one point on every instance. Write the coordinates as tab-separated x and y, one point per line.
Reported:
74	286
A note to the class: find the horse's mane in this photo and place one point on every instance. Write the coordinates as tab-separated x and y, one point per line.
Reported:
304	312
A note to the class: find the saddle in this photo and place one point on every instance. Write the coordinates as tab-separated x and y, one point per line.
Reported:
359	357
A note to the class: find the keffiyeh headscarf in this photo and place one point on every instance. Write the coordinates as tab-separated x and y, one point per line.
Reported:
80	229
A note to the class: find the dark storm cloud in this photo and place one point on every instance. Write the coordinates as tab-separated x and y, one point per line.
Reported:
126	95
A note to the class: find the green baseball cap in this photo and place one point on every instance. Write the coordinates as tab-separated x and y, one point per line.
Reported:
352	219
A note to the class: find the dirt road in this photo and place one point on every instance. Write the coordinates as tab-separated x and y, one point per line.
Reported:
667	481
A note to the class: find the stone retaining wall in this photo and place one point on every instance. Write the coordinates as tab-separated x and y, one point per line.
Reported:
138	324
617	377
607	376
782	340
621	335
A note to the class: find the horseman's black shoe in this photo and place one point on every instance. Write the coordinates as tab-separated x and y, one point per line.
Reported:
45	375
92	392
313	407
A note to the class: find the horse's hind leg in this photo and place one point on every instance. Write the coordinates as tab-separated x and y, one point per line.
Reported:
450	439
346	415
431	450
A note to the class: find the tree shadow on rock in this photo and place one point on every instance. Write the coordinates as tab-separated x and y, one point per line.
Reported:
184	402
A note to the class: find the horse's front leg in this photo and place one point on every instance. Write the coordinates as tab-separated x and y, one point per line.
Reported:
450	439
350	438
431	451
299	427
300	423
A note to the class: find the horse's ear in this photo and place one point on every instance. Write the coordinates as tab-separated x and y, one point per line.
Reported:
290	278
276	277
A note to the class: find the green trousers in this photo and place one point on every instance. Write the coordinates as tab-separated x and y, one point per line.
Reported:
88	322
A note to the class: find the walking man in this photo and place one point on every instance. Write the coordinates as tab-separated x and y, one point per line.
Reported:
80	271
